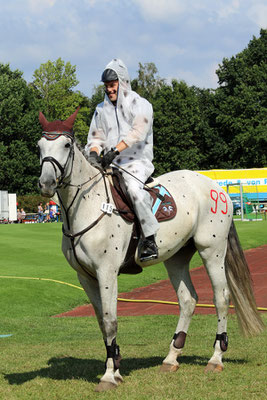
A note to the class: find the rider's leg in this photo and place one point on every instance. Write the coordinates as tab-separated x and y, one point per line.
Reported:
142	202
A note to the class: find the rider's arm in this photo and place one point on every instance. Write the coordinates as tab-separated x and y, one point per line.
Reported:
142	122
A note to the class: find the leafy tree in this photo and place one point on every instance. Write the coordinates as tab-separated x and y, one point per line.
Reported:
147	82
55	82
20	131
210	142
241	103
176	126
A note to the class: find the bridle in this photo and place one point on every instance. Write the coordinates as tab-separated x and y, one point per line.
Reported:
54	162
61	182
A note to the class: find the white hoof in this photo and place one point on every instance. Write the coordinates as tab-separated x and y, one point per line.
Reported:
169	368
118	377
105	386
214	368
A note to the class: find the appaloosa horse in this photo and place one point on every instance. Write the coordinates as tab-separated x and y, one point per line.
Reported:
95	243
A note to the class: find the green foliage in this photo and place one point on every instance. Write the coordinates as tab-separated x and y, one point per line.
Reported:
20	130
30	202
147	82
55	83
242	105
176	127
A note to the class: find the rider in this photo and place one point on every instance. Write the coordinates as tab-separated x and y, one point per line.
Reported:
121	128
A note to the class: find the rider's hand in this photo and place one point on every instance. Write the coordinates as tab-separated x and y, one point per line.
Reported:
109	157
94	159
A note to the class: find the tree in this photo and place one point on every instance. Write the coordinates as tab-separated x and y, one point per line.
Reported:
55	82
176	126
241	102
20	131
147	82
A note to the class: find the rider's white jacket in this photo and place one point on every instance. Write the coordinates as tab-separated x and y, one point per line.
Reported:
130	120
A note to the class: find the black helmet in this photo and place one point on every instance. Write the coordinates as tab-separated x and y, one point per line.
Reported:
109	75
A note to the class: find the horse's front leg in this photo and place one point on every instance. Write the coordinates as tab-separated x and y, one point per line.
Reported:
103	294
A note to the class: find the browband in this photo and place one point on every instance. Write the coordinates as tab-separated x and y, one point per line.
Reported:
54	135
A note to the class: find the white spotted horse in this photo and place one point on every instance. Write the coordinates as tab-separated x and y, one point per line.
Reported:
96	240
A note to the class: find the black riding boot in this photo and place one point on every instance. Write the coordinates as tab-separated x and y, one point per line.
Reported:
148	249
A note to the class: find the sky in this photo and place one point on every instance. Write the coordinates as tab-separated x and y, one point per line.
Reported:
185	39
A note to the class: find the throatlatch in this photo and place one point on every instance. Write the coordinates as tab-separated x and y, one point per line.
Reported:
223	338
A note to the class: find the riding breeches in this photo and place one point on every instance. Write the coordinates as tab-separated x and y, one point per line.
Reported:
142	202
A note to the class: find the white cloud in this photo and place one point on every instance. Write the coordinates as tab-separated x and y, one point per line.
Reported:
258	14
169	50
226	9
38	6
161	9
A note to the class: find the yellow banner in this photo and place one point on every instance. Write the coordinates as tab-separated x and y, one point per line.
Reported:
254	180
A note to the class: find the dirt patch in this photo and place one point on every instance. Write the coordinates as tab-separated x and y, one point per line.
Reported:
257	261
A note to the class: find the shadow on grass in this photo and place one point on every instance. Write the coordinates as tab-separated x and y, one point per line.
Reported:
90	369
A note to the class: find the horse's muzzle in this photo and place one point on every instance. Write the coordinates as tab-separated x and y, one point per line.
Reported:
48	188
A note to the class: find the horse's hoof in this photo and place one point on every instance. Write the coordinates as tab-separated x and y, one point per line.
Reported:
168	368
105	386
118	379
213	368
219	368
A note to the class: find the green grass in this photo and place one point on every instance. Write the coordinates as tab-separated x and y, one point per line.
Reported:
63	358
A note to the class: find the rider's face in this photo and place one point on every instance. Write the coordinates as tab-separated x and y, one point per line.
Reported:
112	90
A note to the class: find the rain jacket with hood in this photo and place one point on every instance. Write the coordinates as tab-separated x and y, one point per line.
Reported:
130	120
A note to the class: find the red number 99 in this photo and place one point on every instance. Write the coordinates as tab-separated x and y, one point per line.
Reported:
223	199
214	196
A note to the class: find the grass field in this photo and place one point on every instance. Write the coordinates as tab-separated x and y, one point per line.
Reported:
63	358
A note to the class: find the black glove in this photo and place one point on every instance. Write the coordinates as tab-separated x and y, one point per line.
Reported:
109	157
94	159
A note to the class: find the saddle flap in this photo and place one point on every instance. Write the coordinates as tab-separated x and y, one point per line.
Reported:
162	209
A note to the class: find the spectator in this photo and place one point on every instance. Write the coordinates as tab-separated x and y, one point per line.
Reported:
47	214
19	216
40	213
23	214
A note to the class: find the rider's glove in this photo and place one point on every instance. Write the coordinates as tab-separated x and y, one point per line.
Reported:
94	159
109	157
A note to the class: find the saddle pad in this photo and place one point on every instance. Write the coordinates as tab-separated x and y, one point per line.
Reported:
162	209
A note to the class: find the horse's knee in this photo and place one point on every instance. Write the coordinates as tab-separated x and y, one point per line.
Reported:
187	305
110	327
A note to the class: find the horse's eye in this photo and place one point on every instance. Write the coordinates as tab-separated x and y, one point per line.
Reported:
67	145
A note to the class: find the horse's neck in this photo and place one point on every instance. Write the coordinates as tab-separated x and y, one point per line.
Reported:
84	189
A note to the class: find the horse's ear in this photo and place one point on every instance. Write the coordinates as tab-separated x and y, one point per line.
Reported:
70	121
43	121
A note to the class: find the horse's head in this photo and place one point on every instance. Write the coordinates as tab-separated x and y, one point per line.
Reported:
56	152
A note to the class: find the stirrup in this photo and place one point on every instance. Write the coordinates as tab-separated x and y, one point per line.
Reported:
148	250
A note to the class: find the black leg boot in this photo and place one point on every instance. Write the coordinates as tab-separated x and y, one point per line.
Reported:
148	249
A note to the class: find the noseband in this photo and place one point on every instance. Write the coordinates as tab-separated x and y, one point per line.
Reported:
54	161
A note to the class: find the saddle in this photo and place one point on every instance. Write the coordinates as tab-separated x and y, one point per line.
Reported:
164	208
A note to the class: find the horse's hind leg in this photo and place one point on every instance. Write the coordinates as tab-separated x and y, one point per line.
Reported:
213	258
178	270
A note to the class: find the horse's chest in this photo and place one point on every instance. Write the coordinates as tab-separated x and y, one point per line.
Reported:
97	248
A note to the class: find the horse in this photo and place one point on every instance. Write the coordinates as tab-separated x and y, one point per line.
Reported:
96	238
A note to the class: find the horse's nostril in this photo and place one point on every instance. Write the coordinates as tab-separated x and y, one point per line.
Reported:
40	185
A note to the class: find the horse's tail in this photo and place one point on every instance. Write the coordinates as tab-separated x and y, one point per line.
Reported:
240	286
